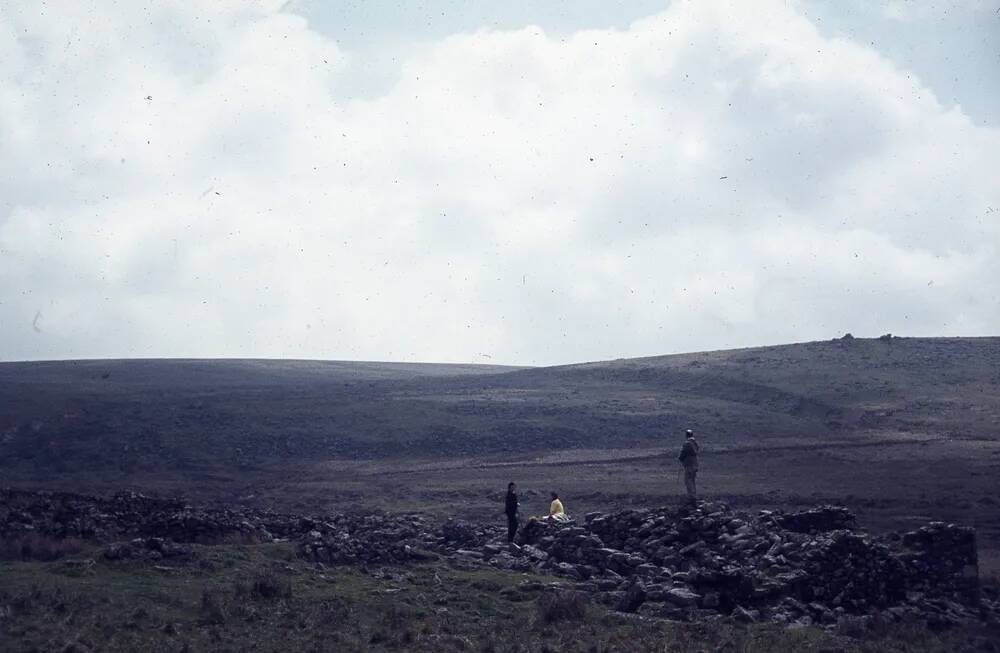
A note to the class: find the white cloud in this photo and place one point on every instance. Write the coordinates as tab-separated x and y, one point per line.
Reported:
909	10
187	180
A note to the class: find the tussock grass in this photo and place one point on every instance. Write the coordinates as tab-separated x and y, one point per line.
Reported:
241	602
562	605
264	586
37	546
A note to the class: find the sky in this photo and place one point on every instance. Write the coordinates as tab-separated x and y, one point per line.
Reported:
468	181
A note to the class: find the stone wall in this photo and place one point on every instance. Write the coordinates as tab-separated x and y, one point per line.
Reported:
812	566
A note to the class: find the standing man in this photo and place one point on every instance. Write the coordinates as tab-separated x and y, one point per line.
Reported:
511	510
689	458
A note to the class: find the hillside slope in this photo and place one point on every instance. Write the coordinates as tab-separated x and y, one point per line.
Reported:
944	386
80	417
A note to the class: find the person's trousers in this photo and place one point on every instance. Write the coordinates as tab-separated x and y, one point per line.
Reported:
690	483
511	527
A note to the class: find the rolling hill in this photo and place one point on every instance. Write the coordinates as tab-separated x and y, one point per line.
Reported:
902	430
81	417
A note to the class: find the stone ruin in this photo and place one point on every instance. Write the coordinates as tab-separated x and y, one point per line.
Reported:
805	567
801	568
69	515
811	567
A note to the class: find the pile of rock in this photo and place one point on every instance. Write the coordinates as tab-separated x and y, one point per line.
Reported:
62	514
368	538
818	520
466	535
942	557
800	568
378	537
151	548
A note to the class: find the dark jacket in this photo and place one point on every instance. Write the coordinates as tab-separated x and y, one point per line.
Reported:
689	454
511	507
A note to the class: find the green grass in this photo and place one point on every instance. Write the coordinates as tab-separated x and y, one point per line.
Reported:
262	598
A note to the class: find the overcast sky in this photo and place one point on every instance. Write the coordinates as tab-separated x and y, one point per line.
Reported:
517	182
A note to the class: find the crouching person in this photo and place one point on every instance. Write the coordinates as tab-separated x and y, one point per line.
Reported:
556	510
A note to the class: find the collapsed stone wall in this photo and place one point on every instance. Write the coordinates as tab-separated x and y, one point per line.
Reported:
63	515
804	567
369	538
942	558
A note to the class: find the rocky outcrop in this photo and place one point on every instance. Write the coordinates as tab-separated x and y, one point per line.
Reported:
942	558
803	568
818	520
368	538
800	568
129	514
152	548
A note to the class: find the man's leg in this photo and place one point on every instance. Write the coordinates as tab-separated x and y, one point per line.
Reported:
691	484
511	527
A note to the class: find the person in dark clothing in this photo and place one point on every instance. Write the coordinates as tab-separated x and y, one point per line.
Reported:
689	459
511	510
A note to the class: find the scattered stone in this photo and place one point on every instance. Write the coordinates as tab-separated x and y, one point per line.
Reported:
129	514
853	626
806	567
810	566
633	597
78	565
682	597
744	616
818	520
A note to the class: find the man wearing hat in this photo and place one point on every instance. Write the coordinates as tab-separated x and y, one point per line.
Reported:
689	458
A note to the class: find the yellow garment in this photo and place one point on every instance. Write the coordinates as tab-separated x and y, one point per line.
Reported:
556	508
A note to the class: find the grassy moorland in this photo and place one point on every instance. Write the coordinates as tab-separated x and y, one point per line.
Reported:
189	417
901	430
264	598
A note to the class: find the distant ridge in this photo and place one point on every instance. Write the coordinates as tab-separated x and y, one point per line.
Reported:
115	418
229	369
